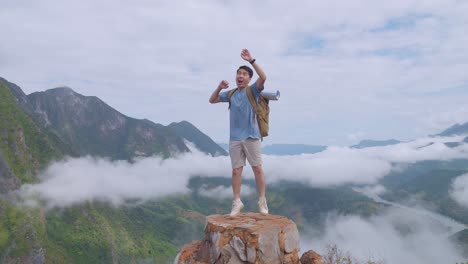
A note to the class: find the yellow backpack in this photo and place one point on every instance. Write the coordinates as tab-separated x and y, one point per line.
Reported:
261	109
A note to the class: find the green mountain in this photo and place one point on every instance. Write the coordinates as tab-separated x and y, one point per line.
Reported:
428	183
88	233
204	143
91	127
85	125
25	148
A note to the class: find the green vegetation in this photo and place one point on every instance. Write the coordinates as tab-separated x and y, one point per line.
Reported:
335	255
153	231
19	230
428	183
99	233
24	146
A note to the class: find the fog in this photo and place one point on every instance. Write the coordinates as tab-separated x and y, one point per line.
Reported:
72	181
395	236
459	191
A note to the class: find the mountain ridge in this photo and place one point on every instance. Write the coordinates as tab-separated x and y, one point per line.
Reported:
86	125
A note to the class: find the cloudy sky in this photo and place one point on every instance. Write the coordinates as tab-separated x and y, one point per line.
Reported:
347	70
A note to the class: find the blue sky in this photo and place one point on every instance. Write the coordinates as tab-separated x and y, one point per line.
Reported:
346	70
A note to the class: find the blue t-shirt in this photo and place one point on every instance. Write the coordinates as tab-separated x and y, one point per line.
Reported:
243	123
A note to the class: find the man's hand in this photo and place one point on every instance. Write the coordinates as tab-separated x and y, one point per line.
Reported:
245	54
223	84
215	95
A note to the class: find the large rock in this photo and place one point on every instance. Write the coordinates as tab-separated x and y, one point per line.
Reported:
246	238
311	257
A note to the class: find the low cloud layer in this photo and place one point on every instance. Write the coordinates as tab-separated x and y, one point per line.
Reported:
459	190
84	179
73	181
396	236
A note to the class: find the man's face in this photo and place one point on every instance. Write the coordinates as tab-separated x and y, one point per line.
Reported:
242	78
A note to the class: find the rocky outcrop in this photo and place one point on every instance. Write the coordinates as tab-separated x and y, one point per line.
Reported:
311	257
246	238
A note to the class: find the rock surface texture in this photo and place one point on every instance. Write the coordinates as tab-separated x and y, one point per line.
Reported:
311	257
246	238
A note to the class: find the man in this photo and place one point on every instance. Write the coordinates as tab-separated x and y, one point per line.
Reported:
245	136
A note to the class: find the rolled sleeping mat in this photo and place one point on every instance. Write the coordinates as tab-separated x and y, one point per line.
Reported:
271	96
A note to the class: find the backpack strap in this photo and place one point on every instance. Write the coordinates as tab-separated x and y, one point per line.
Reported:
254	104
251	99
230	93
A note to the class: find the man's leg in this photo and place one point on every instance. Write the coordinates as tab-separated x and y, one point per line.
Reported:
238	162
254	155
236	182
259	179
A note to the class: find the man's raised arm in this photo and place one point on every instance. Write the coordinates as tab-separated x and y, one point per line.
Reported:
215	95
261	74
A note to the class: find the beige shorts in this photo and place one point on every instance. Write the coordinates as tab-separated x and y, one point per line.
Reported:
240	150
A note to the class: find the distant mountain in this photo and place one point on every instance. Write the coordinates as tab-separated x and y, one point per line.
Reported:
81	125
456	129
292	149
204	143
91	127
375	143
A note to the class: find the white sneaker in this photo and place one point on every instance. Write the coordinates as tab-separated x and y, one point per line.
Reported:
237	206
262	206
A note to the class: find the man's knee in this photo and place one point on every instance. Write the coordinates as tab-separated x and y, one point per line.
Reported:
257	169
237	171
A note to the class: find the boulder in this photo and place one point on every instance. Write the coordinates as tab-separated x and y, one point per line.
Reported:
243	239
311	257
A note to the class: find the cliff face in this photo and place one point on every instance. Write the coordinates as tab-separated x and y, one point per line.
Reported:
7	180
246	238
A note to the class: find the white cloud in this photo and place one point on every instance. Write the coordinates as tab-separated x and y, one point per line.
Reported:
459	191
84	179
396	236
76	180
147	54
